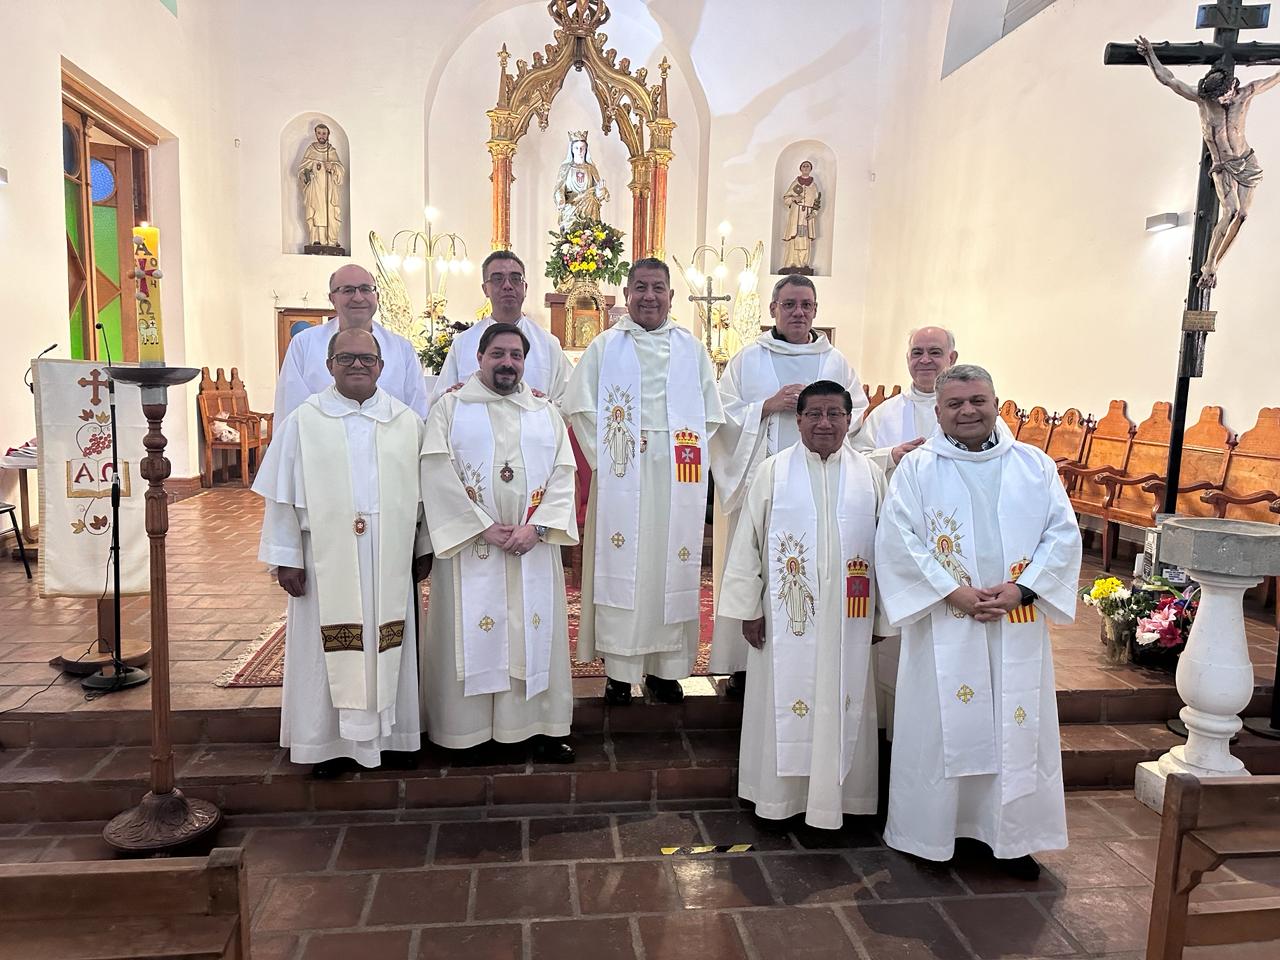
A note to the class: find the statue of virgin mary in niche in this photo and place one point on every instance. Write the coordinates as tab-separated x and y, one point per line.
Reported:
579	188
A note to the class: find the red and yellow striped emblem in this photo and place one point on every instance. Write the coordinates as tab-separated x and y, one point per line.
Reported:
1027	612
688	455
535	498
857	588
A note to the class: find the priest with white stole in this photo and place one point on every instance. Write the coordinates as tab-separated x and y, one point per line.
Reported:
643	404
305	370
800	579
759	391
498	487
546	368
976	552
341	529
891	431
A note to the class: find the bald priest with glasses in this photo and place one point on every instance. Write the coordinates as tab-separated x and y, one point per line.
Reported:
354	296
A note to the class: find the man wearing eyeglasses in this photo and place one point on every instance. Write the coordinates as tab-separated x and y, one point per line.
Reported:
800	578
342	530
759	390
355	299
505	283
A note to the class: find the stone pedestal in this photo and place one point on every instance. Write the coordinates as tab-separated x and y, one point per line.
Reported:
1215	674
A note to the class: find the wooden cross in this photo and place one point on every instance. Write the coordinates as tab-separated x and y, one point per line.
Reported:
96	384
709	299
1226	18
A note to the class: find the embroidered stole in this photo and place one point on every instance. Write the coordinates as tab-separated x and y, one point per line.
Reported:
485	661
537	364
795	584
971	720
618	490
759	371
332	517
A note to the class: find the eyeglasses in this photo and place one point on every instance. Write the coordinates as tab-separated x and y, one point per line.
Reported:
500	279
350	290
347	359
814	416
808	306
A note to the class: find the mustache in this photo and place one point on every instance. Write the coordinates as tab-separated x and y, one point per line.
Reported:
510	370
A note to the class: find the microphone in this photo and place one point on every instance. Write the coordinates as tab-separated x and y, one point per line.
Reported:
105	343
26	377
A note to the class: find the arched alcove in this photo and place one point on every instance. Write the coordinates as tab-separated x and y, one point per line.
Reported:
785	172
295	137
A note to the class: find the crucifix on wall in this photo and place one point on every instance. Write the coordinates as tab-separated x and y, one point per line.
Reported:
1229	169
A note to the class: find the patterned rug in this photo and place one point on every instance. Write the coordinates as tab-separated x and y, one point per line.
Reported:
263	664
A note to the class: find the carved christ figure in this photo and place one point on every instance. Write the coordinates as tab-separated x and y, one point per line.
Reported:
1236	172
320	174
579	188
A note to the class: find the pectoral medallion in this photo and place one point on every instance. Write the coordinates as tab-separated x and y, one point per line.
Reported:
360	525
506	474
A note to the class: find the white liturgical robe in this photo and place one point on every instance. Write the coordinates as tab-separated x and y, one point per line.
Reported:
803	557
374	681
652	625
975	749
546	368
304	371
738	448
495	649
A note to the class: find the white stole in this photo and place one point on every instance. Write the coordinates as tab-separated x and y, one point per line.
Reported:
618	478
333	521
758	369
537	369
965	690
485	661
795	592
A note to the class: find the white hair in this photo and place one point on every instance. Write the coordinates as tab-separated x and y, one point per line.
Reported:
951	337
964	373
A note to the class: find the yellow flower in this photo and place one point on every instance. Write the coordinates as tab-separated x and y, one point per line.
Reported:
1105	587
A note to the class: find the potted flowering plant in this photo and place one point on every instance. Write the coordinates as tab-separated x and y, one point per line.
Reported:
1147	622
436	348
1120	607
588	251
1162	634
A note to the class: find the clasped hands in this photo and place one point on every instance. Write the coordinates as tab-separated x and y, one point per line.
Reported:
514	538
986	605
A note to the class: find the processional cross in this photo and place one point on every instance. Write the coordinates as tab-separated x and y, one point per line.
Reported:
1229	171
709	300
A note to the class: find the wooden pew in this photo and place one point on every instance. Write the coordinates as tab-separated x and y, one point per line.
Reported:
1107	452
1206	455
875	399
228	400
1011	416
1037	428
1205	824
1070	435
1127	502
195	908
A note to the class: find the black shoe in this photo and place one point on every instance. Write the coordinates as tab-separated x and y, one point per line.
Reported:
664	691
736	688
331	769
1021	868
617	693
398	760
551	750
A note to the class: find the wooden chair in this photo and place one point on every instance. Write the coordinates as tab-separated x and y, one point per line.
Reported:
1205	824
879	397
1070	434
228	401
1011	416
1206	455
1037	428
195	908
1127	501
1108	452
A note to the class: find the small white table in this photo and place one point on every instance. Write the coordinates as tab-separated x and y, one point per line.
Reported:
22	465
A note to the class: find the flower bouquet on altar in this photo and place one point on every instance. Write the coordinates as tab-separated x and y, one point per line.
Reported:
1146	622
436	349
589	251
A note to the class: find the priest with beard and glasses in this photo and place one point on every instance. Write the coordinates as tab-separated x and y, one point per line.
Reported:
759	391
341	529
546	368
976	552
800	578
498	483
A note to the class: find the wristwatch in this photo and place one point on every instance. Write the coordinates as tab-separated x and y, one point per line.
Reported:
1028	595
540	530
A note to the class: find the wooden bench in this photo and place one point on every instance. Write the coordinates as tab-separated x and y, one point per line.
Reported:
1107	453
875	399
1207	823
227	400
1206	456
195	908
1037	428
1011	416
1069	438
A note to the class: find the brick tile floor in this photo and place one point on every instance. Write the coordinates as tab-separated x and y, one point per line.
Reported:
550	887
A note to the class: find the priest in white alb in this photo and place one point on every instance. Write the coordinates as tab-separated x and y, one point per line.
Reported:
546	368
976	553
643	404
891	431
800	579
498	487
305	371
759	390
341	528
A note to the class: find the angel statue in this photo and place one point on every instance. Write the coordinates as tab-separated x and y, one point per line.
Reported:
579	189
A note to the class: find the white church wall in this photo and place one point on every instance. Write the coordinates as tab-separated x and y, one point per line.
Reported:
164	68
1010	204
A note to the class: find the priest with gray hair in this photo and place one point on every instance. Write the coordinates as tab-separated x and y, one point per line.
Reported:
976	552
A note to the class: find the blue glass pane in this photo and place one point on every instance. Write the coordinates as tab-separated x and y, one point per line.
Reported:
70	151
102	182
298	327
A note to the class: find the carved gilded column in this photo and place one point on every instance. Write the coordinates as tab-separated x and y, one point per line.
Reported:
660	155
641	178
502	151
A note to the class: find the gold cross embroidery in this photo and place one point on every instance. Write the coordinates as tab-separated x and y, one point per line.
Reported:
618	539
965	693
1019	716
683	554
487	623
536	621
800	709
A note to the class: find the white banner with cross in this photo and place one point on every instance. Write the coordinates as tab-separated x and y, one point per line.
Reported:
73	430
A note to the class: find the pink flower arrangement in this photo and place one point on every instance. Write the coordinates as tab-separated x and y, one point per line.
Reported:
1169	624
